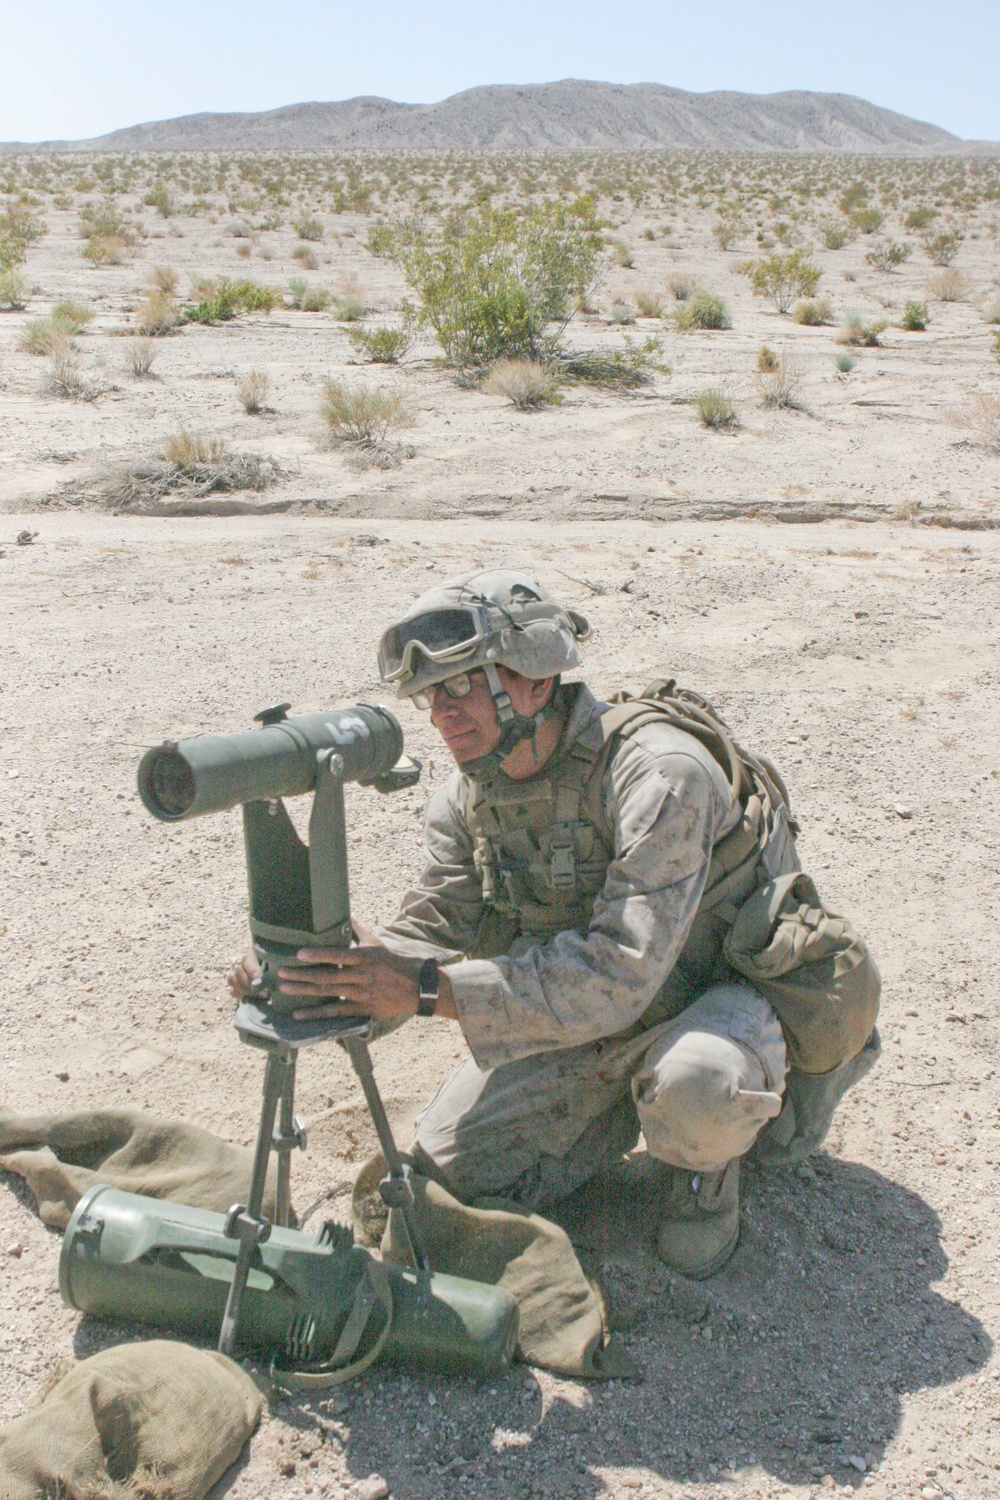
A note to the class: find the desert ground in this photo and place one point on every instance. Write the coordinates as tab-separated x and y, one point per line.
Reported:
850	1345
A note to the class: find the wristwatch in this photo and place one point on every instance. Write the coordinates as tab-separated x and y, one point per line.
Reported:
430	987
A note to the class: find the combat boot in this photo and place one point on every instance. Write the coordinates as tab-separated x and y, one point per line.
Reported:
701	1226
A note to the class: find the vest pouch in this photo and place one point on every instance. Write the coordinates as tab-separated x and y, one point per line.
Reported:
813	968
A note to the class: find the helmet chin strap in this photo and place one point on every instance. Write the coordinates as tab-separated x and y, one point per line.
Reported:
514	728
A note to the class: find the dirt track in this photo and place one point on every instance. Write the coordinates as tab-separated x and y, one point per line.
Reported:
856	1325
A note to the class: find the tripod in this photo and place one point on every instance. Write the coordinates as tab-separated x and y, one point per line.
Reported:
280	1037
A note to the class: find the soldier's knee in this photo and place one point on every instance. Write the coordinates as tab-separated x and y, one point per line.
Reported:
702	1100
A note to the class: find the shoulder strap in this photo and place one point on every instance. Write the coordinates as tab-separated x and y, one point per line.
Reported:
373	1290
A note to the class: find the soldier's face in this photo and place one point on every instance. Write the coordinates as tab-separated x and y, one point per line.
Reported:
469	725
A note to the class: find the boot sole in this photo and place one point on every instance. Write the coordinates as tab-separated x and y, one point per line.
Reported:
709	1269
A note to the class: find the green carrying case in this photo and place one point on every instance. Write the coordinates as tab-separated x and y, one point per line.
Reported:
320	1305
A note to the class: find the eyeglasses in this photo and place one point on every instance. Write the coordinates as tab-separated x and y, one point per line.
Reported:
459	686
439	635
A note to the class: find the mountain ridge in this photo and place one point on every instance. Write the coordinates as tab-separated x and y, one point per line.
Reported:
571	114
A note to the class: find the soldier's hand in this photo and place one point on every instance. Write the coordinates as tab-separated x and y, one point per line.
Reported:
242	975
368	980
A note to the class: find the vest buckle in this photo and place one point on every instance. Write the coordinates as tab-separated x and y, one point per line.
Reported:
562	864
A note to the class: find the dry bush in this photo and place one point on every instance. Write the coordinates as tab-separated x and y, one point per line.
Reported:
683	285
948	285
308	227
778	383
616	369
383	346
526	383
351	305
705	310
189	464
41	335
164	279
845	363
943	247
157	314
622	312
140	353
253	391
105	250
620	253
243	251
649	304
856	332
307	298
65	378
813	314
363	415
305	257
984	416
716	410
991	311
13	291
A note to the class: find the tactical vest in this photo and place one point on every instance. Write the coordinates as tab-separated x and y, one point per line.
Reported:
542	846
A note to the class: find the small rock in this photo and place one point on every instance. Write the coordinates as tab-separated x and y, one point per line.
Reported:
16	1250
901	811
691	1302
288	1467
63	1076
372	1488
857	1463
931	1492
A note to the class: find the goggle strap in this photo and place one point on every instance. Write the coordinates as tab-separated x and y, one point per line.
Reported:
504	707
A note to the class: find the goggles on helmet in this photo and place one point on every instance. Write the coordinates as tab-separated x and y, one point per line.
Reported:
439	635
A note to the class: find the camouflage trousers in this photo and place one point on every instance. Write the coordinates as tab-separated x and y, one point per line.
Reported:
698	1087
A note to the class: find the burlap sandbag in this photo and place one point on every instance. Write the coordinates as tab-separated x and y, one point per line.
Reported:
561	1324
152	1421
813	968
61	1156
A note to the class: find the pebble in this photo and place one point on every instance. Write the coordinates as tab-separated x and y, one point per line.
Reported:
16	1250
857	1463
931	1492
63	1076
901	811
372	1488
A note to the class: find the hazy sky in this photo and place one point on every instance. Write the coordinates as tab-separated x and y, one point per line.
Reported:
71	70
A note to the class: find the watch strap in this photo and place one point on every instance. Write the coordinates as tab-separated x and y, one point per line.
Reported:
429	987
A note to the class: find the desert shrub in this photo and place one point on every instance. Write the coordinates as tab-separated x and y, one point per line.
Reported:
813	314
157	313
18	229
379	241
716	410
854	330
189	464
72	317
193	450
305	257
888	256
493	285
868	219
991	311
767	360
526	383
622	312
164	279
65	321
243	252
105	250
728	230
106	224
158	197
781	279
308	227
620	254
253	391
845	363
363	415
225	299
683	285
984	416
915	318
618	369
948	285
13	291
140	353
943	247
649	304
778	384
350	308
65	377
835	233
307	298
920	216
383	346
705	310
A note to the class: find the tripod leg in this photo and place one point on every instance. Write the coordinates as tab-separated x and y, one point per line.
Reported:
398	1191
287	1131
246	1224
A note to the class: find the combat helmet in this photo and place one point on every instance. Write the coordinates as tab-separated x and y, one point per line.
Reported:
497	617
